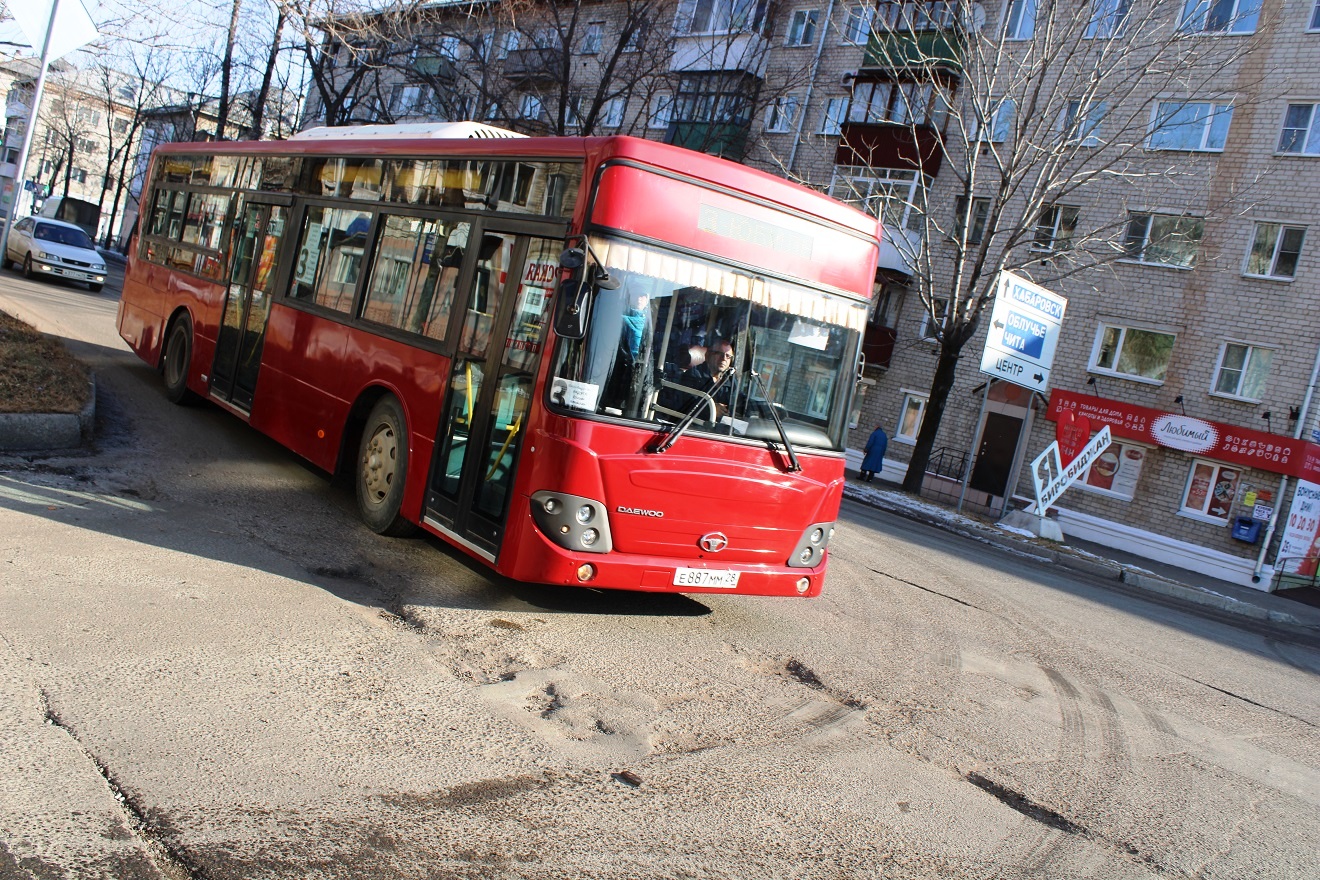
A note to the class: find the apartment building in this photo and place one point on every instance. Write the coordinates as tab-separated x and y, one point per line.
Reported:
1176	220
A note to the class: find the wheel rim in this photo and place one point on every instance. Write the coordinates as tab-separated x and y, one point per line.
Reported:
380	460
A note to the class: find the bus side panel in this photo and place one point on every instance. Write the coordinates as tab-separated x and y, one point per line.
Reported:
300	400
206	301
142	310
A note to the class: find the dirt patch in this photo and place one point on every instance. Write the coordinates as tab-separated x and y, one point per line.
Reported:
37	373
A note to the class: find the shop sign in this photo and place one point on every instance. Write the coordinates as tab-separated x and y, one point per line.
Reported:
1299	546
1051	477
1072	432
1229	443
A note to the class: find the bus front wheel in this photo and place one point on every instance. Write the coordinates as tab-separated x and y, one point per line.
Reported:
382	469
178	360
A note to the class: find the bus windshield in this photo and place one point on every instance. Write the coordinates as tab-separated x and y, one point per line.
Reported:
686	337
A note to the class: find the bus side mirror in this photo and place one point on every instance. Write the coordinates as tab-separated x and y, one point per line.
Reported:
572	307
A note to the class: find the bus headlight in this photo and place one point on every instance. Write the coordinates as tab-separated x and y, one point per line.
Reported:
572	522
810	549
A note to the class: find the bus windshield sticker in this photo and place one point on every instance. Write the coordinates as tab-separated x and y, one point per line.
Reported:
576	395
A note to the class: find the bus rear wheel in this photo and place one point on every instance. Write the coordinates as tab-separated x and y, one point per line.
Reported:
178	360
382	469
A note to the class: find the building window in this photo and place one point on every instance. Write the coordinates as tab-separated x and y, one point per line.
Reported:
635	38
612	114
802	27
931	324
662	111
1210	490
1220	16
592	37
121	126
719	16
1315	17
530	107
1107	18
895	195
1190	125
1081	122
1241	371
1132	353
1055	228
857	25
1163	239
78	175
1301	133
976	219
782	114
910	416
1000	113
1021	20
1116	471
1275	249
836	110
899	103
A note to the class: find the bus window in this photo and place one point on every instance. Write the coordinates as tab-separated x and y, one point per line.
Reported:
330	252
487	284
206	219
408	271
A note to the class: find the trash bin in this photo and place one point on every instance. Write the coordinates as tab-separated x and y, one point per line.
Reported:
1246	529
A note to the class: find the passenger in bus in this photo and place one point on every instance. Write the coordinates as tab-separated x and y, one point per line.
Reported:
702	377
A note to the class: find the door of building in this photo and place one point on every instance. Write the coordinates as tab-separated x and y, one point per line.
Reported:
994	458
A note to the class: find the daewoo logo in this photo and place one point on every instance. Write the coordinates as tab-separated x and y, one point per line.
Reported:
1186	434
638	511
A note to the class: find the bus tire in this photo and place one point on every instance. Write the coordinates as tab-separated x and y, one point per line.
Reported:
177	361
382	469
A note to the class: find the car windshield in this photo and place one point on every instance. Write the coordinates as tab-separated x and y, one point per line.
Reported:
62	235
683	335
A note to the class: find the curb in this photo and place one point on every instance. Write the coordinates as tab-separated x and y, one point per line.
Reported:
1104	569
40	432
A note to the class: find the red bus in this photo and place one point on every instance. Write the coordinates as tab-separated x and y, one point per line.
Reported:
602	362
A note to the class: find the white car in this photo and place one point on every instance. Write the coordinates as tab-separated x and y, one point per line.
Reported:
48	248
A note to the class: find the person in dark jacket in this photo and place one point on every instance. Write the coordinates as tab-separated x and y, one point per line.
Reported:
875	454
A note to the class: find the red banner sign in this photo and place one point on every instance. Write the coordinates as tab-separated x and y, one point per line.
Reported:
1073	433
1217	440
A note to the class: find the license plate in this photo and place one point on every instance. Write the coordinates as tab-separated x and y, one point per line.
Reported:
706	577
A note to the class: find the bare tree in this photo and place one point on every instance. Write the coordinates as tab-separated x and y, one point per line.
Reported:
1023	120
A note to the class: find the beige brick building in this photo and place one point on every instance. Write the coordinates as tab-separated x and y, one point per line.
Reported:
1193	320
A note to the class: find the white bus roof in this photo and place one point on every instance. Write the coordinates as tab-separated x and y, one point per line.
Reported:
454	130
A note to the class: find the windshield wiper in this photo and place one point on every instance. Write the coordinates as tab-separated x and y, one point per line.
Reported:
793	464
705	397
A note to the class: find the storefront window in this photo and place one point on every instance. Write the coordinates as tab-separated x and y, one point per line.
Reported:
1116	471
1210	490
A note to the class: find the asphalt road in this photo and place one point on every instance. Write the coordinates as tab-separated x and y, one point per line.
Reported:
208	668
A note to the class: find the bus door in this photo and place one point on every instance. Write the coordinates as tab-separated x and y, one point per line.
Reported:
258	233
490	388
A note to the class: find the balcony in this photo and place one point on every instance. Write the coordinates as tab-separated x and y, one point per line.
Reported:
725	139
914	50
534	65
435	67
745	52
890	145
878	345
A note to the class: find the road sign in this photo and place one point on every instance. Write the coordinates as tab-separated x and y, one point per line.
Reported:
1024	332
1051	477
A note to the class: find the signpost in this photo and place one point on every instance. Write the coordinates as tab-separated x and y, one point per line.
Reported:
1051	477
1024	332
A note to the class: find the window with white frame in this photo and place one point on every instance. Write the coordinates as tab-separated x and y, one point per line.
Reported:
719	16
511	42
1132	353
802	27
781	116
895	195
1000	115
1163	239
1115	471
1275	249
976	218
636	37
910	417
1081	122
1301	130
1315	18
1107	18
611	115
1196	126
1020	20
530	107
1210	490
1054	228
405	99
925	15
923	103
932	319
836	111
592	36
1242	370
857	22
79	175
662	111
1219	16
